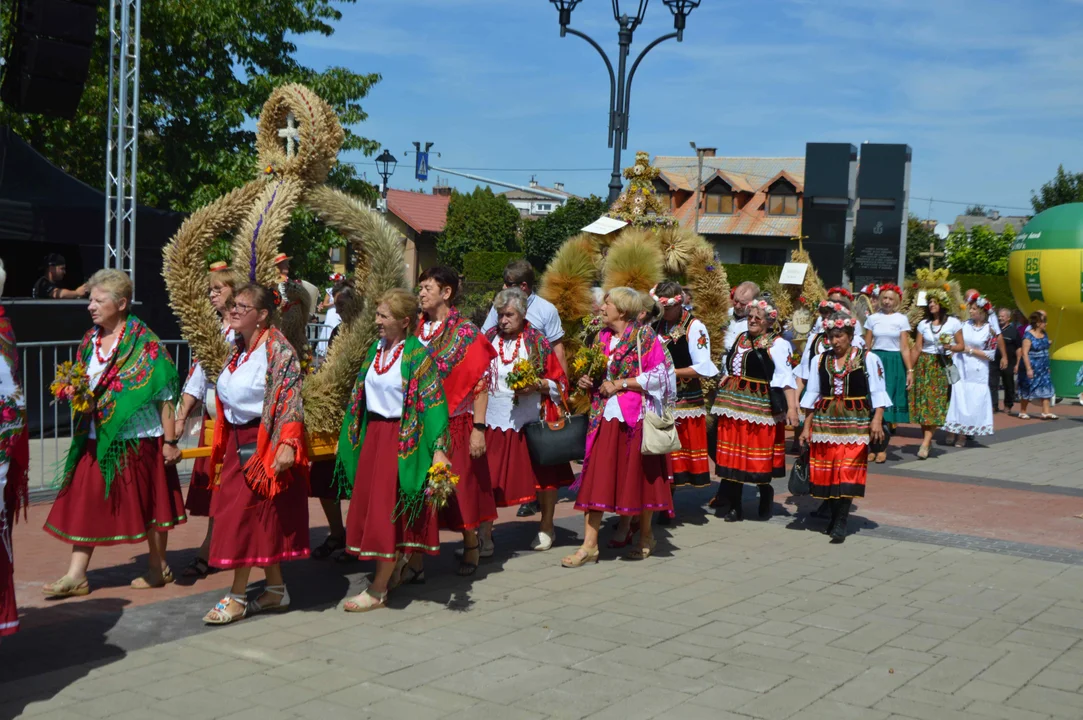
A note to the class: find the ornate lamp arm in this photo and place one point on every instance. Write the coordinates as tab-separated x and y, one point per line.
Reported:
628	85
612	78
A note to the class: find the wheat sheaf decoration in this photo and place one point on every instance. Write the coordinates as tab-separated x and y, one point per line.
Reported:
298	139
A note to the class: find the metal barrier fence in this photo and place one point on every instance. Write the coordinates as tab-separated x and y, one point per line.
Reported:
51	424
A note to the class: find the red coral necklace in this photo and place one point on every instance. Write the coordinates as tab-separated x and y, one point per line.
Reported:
394	358
429	337
514	354
98	344
235	362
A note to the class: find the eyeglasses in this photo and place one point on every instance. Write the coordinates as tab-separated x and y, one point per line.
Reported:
217	291
241	309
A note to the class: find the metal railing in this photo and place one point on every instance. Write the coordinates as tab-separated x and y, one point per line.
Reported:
50	423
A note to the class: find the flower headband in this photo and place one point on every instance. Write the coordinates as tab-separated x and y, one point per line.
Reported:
982	302
872	290
840	291
839	323
337	277
665	301
833	306
940	296
889	287
768	310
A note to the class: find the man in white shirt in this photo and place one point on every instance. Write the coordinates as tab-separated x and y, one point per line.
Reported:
542	316
743	294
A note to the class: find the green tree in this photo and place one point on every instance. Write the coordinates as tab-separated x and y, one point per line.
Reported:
981	251
976	211
207	66
544	236
918	237
1065	187
480	220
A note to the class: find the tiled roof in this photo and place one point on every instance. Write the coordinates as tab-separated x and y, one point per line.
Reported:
745	175
526	195
423	213
969	222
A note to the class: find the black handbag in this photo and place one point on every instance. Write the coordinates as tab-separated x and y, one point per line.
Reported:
799	484
245	453
558	442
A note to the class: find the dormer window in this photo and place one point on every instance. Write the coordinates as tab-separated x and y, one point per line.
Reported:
782	199
661	190
718	198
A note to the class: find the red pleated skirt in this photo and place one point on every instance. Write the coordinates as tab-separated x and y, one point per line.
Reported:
472	502
838	471
690	464
198	503
371	531
514	477
749	452
249	529
321	483
145	495
619	478
9	613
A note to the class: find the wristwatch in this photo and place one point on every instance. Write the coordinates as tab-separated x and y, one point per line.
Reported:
174	443
624	384
479	426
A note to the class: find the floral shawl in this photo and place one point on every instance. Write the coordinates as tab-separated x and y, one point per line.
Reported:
422	429
137	374
545	364
624	362
14	435
282	422
462	356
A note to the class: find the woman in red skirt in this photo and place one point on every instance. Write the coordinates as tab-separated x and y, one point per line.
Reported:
512	474
14	461
119	482
260	503
755	401
394	430
224	282
617	477
846	397
462	356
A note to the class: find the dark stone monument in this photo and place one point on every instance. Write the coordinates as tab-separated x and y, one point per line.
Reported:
830	180
883	190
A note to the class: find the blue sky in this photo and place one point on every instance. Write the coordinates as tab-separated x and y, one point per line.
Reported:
986	92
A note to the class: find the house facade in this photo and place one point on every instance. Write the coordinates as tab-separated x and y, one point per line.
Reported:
749	208
534	205
420	218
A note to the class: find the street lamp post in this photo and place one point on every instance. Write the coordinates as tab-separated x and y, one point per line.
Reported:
620	87
385	167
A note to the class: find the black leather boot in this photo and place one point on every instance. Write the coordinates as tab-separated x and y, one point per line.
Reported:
767	498
838	532
823	512
737	510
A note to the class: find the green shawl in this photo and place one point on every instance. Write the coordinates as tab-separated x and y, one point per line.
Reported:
422	430
138	372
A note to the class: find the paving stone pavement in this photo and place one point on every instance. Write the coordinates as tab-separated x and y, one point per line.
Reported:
1049	458
727	621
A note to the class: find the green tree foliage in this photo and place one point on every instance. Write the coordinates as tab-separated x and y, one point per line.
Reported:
544	236
1065	187
981	251
207	66
480	220
976	211
918	238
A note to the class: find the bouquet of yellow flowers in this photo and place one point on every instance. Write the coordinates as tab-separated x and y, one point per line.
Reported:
440	483
73	385
588	361
523	376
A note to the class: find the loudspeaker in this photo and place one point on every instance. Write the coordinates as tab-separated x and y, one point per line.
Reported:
50	56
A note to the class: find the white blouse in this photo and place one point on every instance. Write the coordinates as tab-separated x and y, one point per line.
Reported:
930	335
877	387
658	383
383	391
502	412
700	353
146	422
197	384
779	352
735	328
242	391
886	330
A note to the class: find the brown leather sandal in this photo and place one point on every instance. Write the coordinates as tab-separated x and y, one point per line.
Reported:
66	587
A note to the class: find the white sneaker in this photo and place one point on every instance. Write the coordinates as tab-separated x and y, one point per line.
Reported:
543	542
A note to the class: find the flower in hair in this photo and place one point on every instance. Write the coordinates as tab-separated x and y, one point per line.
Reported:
664	301
841	291
276	297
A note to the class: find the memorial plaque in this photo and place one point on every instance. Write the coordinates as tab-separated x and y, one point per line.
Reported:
826	216
883	187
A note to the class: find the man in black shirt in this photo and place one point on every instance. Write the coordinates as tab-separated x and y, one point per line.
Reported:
1006	377
48	285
